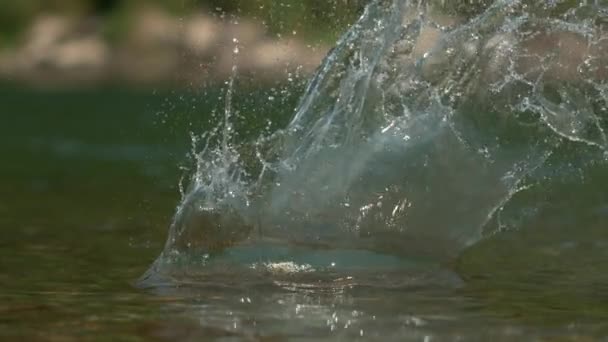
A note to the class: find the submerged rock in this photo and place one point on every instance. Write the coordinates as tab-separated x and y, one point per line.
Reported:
208	230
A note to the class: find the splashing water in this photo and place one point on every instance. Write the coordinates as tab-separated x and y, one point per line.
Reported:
422	132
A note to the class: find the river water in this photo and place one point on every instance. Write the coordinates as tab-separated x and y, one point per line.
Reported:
89	186
410	215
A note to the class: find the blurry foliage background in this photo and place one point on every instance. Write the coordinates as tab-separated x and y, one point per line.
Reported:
314	19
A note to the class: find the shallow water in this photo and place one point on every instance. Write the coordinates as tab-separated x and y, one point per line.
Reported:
89	186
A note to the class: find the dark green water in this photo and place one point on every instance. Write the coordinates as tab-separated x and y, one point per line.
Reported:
88	187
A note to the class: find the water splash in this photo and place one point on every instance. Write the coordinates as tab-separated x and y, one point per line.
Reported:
423	131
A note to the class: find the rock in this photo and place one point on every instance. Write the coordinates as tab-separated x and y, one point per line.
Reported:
201	33
426	41
282	55
153	27
209	230
246	32
241	36
55	48
88	52
47	31
558	55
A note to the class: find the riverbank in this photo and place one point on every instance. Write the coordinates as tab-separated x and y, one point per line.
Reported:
157	49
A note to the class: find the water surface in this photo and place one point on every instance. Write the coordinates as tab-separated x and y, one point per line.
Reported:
89	186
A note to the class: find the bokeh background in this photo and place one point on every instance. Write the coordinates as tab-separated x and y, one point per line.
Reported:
173	43
165	42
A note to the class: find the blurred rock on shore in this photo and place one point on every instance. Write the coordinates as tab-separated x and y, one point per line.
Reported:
157	49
